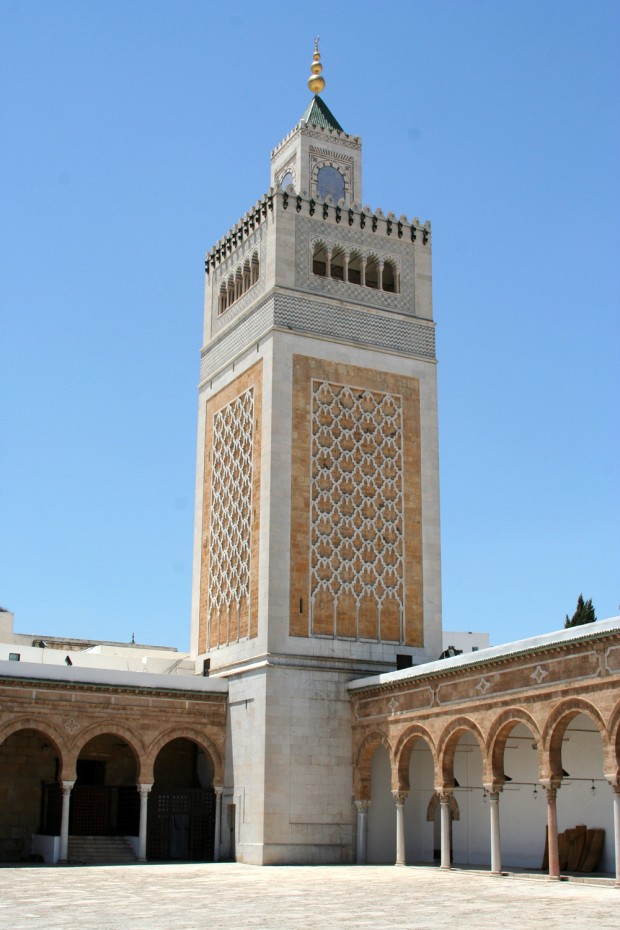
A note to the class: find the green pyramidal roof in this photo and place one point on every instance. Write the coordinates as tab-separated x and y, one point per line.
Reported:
318	114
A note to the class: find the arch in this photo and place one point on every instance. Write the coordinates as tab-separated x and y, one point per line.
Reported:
46	729
319	259
254	268
434	803
337	263
287	178
363	759
403	750
497	737
614	744
355	267
195	736
113	729
556	726
372	271
330	180
447	744
223	297
390	277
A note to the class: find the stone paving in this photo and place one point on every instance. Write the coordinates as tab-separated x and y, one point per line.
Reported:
224	896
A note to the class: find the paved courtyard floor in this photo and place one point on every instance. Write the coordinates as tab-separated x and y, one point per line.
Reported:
224	896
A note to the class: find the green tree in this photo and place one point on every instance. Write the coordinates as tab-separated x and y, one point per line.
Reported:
583	614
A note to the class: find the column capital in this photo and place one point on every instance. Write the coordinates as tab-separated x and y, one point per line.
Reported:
551	784
444	793
362	805
67	787
219	790
400	796
144	789
493	787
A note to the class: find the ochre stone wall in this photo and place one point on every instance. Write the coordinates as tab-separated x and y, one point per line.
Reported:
356	521
231	513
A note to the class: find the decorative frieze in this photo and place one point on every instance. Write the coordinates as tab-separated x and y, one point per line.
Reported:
318	318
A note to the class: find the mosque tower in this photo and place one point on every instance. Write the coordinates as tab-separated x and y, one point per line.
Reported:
317	553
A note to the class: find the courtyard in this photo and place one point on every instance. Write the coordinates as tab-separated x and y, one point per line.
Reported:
231	895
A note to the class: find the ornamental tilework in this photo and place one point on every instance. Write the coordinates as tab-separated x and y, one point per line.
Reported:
231	502
229	573
317	318
356	506
356	544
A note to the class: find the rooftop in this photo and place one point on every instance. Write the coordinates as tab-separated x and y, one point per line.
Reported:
492	654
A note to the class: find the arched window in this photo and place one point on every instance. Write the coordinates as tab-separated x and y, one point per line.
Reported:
223	298
337	265
389	278
330	183
372	273
355	268
254	269
238	282
287	179
319	260
247	276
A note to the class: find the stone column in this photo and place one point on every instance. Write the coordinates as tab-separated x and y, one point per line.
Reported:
362	831
496	854
616	790
380	275
552	834
446	858
399	798
328	263
345	269
363	272
143	791
67	787
219	791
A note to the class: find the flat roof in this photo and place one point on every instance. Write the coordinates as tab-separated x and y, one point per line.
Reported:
106	677
492	653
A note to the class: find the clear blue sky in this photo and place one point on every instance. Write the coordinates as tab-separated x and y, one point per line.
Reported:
136	132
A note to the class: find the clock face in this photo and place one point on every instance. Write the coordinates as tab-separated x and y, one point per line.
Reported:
330	183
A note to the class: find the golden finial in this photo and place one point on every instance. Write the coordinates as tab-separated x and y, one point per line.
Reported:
316	83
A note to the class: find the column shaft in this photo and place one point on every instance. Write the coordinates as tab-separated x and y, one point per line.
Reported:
218	822
400	829
446	856
617	830
552	834
496	855
143	790
362	831
67	787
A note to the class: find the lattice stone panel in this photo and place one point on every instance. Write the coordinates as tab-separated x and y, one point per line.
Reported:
356	509
231	504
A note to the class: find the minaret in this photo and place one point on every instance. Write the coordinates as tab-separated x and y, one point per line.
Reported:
317	553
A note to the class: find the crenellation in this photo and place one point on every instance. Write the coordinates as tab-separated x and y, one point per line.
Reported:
329	211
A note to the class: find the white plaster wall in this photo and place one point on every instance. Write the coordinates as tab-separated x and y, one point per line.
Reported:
419	832
523	813
582	758
470	834
382	811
